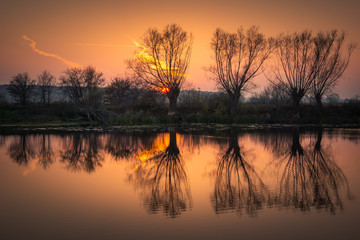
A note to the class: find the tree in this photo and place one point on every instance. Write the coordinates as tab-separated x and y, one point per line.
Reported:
82	85
297	66
272	94
163	60
21	88
45	82
93	80
124	91
74	83
333	61
238	59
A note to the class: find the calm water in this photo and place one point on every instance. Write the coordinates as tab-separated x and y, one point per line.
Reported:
272	184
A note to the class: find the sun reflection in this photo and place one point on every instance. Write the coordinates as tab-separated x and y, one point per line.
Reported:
160	144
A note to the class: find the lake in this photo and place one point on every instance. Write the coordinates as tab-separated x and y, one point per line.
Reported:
293	183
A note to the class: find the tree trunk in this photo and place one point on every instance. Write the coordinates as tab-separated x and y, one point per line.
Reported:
318	98
296	106
234	103
173	148
296	148
173	102
318	139
173	96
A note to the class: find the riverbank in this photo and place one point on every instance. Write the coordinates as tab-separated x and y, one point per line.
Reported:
192	127
61	115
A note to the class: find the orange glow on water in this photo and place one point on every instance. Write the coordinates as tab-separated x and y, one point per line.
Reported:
160	144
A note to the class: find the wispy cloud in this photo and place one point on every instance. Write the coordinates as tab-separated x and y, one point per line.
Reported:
67	62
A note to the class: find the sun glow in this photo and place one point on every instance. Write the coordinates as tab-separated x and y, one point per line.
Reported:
164	89
171	72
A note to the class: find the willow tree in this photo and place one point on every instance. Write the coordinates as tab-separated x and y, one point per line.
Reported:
297	66
333	61
238	59
163	59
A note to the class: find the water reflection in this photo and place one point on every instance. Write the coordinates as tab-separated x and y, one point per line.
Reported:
21	150
46	154
237	184
163	180
309	177
126	146
82	153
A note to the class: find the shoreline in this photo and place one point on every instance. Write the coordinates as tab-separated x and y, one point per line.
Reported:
182	127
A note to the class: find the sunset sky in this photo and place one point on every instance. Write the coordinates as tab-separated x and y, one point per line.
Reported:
101	33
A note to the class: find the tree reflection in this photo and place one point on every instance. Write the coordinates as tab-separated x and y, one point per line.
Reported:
164	181
21	150
237	185
46	153
125	146
82	153
310	177
328	178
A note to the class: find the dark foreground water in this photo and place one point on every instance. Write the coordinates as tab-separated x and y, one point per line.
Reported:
268	184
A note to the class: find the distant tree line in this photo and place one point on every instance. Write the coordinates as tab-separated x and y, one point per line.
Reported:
301	64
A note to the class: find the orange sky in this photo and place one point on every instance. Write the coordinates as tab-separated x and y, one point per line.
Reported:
100	33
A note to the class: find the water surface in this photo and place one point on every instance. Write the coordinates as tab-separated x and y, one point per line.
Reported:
274	184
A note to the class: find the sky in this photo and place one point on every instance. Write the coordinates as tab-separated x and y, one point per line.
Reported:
54	35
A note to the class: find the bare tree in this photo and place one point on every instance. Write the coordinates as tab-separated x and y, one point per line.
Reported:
82	85
124	90
74	83
94	81
163	60
45	82
272	94
333	61
297	66
238	59
21	88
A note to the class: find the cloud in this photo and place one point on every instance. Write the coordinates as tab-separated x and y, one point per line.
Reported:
67	62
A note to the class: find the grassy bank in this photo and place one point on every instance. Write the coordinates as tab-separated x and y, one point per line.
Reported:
62	114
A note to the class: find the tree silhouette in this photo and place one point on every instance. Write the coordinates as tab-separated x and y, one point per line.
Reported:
332	62
21	88
45	82
81	85
124	91
164	181
163	60
238	59
297	66
237	184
